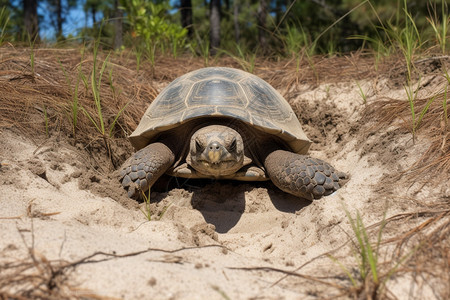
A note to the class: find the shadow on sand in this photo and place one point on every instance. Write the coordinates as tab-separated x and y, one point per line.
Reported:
223	203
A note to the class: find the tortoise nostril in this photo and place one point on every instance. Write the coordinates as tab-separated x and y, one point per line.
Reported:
214	147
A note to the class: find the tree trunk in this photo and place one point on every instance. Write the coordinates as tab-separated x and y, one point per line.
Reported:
262	17
214	19
237	31
186	16
59	19
31	19
205	3
94	11
118	30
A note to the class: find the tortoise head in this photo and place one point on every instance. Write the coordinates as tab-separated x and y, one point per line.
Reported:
216	150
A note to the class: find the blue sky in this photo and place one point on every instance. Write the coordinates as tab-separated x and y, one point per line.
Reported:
75	20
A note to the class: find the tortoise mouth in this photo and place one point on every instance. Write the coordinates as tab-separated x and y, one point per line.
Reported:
221	168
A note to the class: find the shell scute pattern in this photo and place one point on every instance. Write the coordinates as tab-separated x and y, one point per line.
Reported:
194	112
216	92
234	112
208	73
264	102
265	122
170	101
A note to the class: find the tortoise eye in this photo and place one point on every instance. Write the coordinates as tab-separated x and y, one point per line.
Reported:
232	147
198	146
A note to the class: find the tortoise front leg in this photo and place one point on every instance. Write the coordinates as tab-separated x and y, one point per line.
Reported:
141	170
302	175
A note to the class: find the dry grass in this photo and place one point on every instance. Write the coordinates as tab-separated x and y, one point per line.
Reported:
35	277
430	261
424	247
396	112
434	127
26	95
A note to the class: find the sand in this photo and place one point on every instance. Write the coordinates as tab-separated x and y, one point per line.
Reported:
218	240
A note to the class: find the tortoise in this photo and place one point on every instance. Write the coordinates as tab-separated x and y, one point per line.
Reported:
225	123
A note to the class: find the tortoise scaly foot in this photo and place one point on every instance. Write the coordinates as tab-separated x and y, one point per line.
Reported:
302	175
141	170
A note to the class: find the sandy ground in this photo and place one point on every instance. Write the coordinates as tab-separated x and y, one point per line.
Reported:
220	240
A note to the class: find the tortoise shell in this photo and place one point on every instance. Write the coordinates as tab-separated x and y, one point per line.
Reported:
220	92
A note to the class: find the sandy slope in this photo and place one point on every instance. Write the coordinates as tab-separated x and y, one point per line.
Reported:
212	229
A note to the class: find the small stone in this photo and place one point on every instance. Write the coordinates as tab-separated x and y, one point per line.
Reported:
78	173
198	266
152	281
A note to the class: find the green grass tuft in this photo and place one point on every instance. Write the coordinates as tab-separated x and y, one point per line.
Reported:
416	120
371	278
361	92
147	211
74	106
440	27
4	21
246	60
366	254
